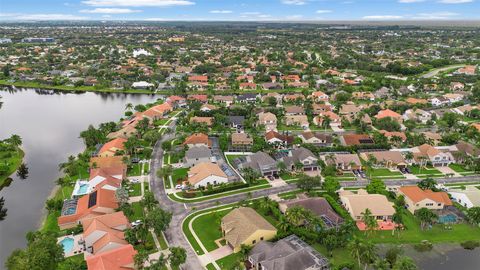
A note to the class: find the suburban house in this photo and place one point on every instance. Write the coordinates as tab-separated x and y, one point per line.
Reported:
468	149
198	139
389	113
317	205
206	173
260	162
297	120
269	120
380	207
112	147
417	115
227	100
394	136
121	258
202	120
416	198
105	178
198	98
275	138
241	142
208	107
107	162
294	110
335	120
427	153
344	162
349	111
301	156
468	197
318	96
355	139
285	254
97	203
321	108
244	226
318	139
104	233
387	159
236	121
197	154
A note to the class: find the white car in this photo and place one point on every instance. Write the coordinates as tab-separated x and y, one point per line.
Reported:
178	186
135	181
136	223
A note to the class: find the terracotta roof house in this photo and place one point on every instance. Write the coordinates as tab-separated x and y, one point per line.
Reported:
273	137
241	141
467	148
104	233
345	162
105	178
416	198
177	101
468	197
319	96
244	226
315	138
97	203
391	134
389	113
112	147
387	159
318	206
417	115
414	101
427	153
293	97
467	70
107	162
288	253
198	139
321	108
297	120
206	173
435	138
125	132
356	204
202	120
198	79
269	120
117	259
200	98
356	139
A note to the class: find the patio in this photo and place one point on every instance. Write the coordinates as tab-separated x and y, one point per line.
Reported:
71	244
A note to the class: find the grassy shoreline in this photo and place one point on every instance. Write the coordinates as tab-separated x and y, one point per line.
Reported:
17	160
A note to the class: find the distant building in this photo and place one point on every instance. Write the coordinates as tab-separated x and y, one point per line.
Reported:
38	40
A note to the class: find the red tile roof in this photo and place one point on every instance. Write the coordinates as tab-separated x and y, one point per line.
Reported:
117	259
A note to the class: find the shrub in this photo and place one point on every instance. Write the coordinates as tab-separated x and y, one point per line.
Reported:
337	207
470	245
423	246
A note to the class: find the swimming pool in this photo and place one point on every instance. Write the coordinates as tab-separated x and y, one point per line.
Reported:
83	189
449	218
67	244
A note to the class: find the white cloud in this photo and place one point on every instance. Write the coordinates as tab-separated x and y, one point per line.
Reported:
294	2
41	17
294	17
323	11
251	13
435	16
110	10
382	17
455	1
410	1
221	11
138	3
155	19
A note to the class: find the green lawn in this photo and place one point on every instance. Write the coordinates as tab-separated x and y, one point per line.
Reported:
74	259
461	169
340	256
146	168
162	241
178	174
373	172
207	228
218	195
137	212
11	160
135	190
166	182
424	171
230	158
135	170
230	261
414	234
287	176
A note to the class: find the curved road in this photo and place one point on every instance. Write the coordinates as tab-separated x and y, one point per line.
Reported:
180	211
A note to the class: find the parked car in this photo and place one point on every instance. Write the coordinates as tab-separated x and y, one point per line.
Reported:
179	187
136	223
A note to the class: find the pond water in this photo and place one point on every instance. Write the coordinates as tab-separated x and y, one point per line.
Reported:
49	124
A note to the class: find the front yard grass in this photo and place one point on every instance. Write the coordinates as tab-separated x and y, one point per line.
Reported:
137	212
380	172
425	171
135	190
230	261
179	174
218	195
135	170
207	228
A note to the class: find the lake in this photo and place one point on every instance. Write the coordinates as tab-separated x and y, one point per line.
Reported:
49	124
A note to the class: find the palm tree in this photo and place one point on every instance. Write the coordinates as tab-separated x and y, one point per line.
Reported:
381	264
281	166
397	218
369	221
165	172
283	224
426	217
409	156
356	246
128	106
295	215
245	250
369	253
15	140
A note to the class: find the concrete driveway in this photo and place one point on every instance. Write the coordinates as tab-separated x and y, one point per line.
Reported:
221	252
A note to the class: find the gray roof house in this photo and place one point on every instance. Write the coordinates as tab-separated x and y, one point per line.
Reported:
260	162
236	121
288	253
302	155
317	205
196	155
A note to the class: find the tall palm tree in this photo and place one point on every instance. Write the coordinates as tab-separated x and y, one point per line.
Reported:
16	140
369	220
356	246
369	254
128	106
295	215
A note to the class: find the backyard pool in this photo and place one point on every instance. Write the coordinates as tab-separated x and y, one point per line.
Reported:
450	218
67	244
83	189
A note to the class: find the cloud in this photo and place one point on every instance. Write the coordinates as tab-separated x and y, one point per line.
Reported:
41	17
155	19
294	17
138	3
221	11
410	1
294	2
435	16
382	17
110	10
323	11
455	1
251	13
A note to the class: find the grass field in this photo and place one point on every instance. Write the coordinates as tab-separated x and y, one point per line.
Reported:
135	170
135	190
218	195
425	171
207	228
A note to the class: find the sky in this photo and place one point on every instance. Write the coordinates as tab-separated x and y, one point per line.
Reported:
239	10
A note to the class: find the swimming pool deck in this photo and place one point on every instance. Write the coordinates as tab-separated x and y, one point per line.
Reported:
77	249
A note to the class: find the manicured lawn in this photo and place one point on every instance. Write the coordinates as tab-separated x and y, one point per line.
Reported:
137	212
218	195
461	169
166	182
146	168
165	158
162	241
339	257
207	228
135	190
51	224
178	174
135	170
74	259
161	122
414	234
230	261
287	176
289	195
424	171
382	172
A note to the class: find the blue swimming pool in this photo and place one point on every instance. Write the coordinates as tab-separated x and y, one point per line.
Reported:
67	244
450	218
83	189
